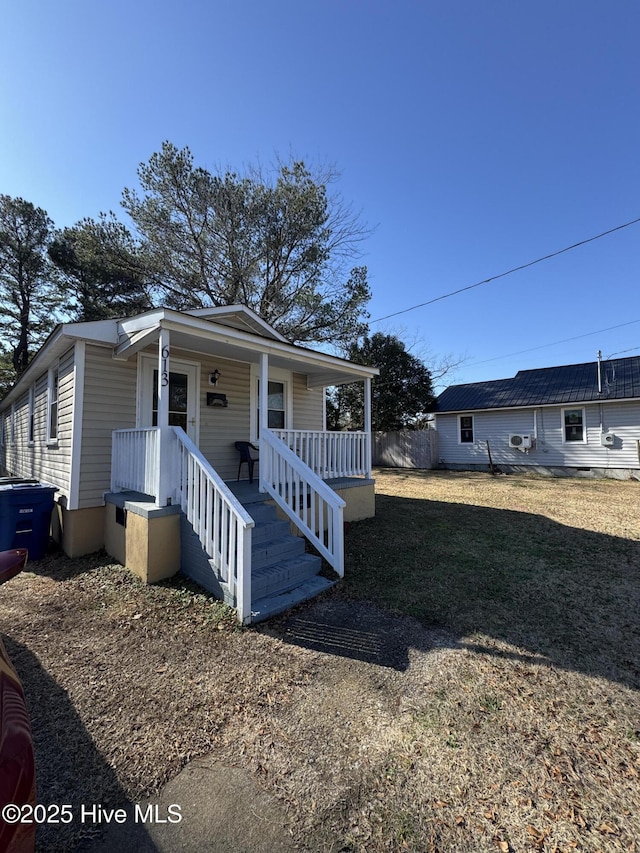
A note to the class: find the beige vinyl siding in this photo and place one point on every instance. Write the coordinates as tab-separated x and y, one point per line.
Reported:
18	457
221	427
307	405
50	463
109	403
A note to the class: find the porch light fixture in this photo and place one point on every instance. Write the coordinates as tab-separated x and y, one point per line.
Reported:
213	378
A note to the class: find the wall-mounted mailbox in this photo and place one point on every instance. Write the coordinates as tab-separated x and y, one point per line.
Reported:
214	399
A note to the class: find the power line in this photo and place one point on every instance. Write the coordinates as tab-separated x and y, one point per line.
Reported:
622	351
509	272
555	343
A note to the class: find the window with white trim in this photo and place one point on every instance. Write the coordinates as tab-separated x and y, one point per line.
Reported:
276	409
52	406
31	427
13	425
574	425
465	429
279	401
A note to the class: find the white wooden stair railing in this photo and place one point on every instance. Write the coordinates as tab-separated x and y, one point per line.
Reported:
219	520
315	509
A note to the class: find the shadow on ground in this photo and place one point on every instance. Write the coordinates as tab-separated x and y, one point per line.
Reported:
69	768
365	633
563	596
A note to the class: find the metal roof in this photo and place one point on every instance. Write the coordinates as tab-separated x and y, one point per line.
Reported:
548	386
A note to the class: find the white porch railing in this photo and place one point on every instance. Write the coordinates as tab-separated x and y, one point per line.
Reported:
330	454
220	521
134	460
309	502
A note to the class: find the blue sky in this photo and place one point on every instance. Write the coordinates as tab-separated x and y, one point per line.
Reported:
474	136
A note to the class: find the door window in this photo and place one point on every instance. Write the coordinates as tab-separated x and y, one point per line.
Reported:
183	388
178	386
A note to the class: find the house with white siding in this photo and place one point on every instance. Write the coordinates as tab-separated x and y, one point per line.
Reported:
576	420
135	422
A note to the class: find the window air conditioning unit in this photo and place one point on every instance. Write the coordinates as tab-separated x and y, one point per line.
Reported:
521	442
607	439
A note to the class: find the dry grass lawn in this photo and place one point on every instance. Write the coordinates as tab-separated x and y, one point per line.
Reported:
472	685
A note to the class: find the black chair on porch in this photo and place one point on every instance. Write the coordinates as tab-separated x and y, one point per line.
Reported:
244	448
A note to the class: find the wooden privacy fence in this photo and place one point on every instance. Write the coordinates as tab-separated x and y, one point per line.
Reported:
406	449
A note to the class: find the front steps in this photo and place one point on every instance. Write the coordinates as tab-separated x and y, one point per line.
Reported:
283	574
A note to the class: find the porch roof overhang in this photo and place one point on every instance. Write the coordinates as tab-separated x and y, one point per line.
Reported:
200	335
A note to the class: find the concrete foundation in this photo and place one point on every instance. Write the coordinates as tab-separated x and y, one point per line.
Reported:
550	471
359	496
78	531
141	536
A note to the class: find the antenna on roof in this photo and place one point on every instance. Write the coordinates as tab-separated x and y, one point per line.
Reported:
599	354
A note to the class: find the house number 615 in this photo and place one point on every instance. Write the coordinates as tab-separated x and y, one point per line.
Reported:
164	381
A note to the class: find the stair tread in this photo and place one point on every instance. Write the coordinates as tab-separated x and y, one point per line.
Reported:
298	560
271	605
283	540
267	530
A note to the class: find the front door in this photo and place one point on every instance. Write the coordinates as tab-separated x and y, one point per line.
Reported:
183	395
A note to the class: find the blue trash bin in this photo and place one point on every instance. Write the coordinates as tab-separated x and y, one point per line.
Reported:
25	517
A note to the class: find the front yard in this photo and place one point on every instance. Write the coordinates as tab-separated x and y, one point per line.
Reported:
471	685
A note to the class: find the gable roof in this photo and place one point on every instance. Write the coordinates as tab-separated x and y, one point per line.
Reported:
238	317
233	332
548	386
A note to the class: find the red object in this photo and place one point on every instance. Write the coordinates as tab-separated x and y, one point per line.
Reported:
12	563
17	763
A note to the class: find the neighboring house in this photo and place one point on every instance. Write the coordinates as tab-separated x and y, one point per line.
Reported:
135	422
578	419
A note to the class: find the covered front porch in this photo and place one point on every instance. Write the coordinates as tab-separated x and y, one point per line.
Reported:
181	452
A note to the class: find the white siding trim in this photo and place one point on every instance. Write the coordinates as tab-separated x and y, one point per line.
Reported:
76	424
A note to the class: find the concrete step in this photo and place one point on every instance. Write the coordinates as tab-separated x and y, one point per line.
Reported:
271	605
260	512
284	575
274	550
271	529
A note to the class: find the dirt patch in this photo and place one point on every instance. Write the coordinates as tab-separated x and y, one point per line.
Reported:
375	731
